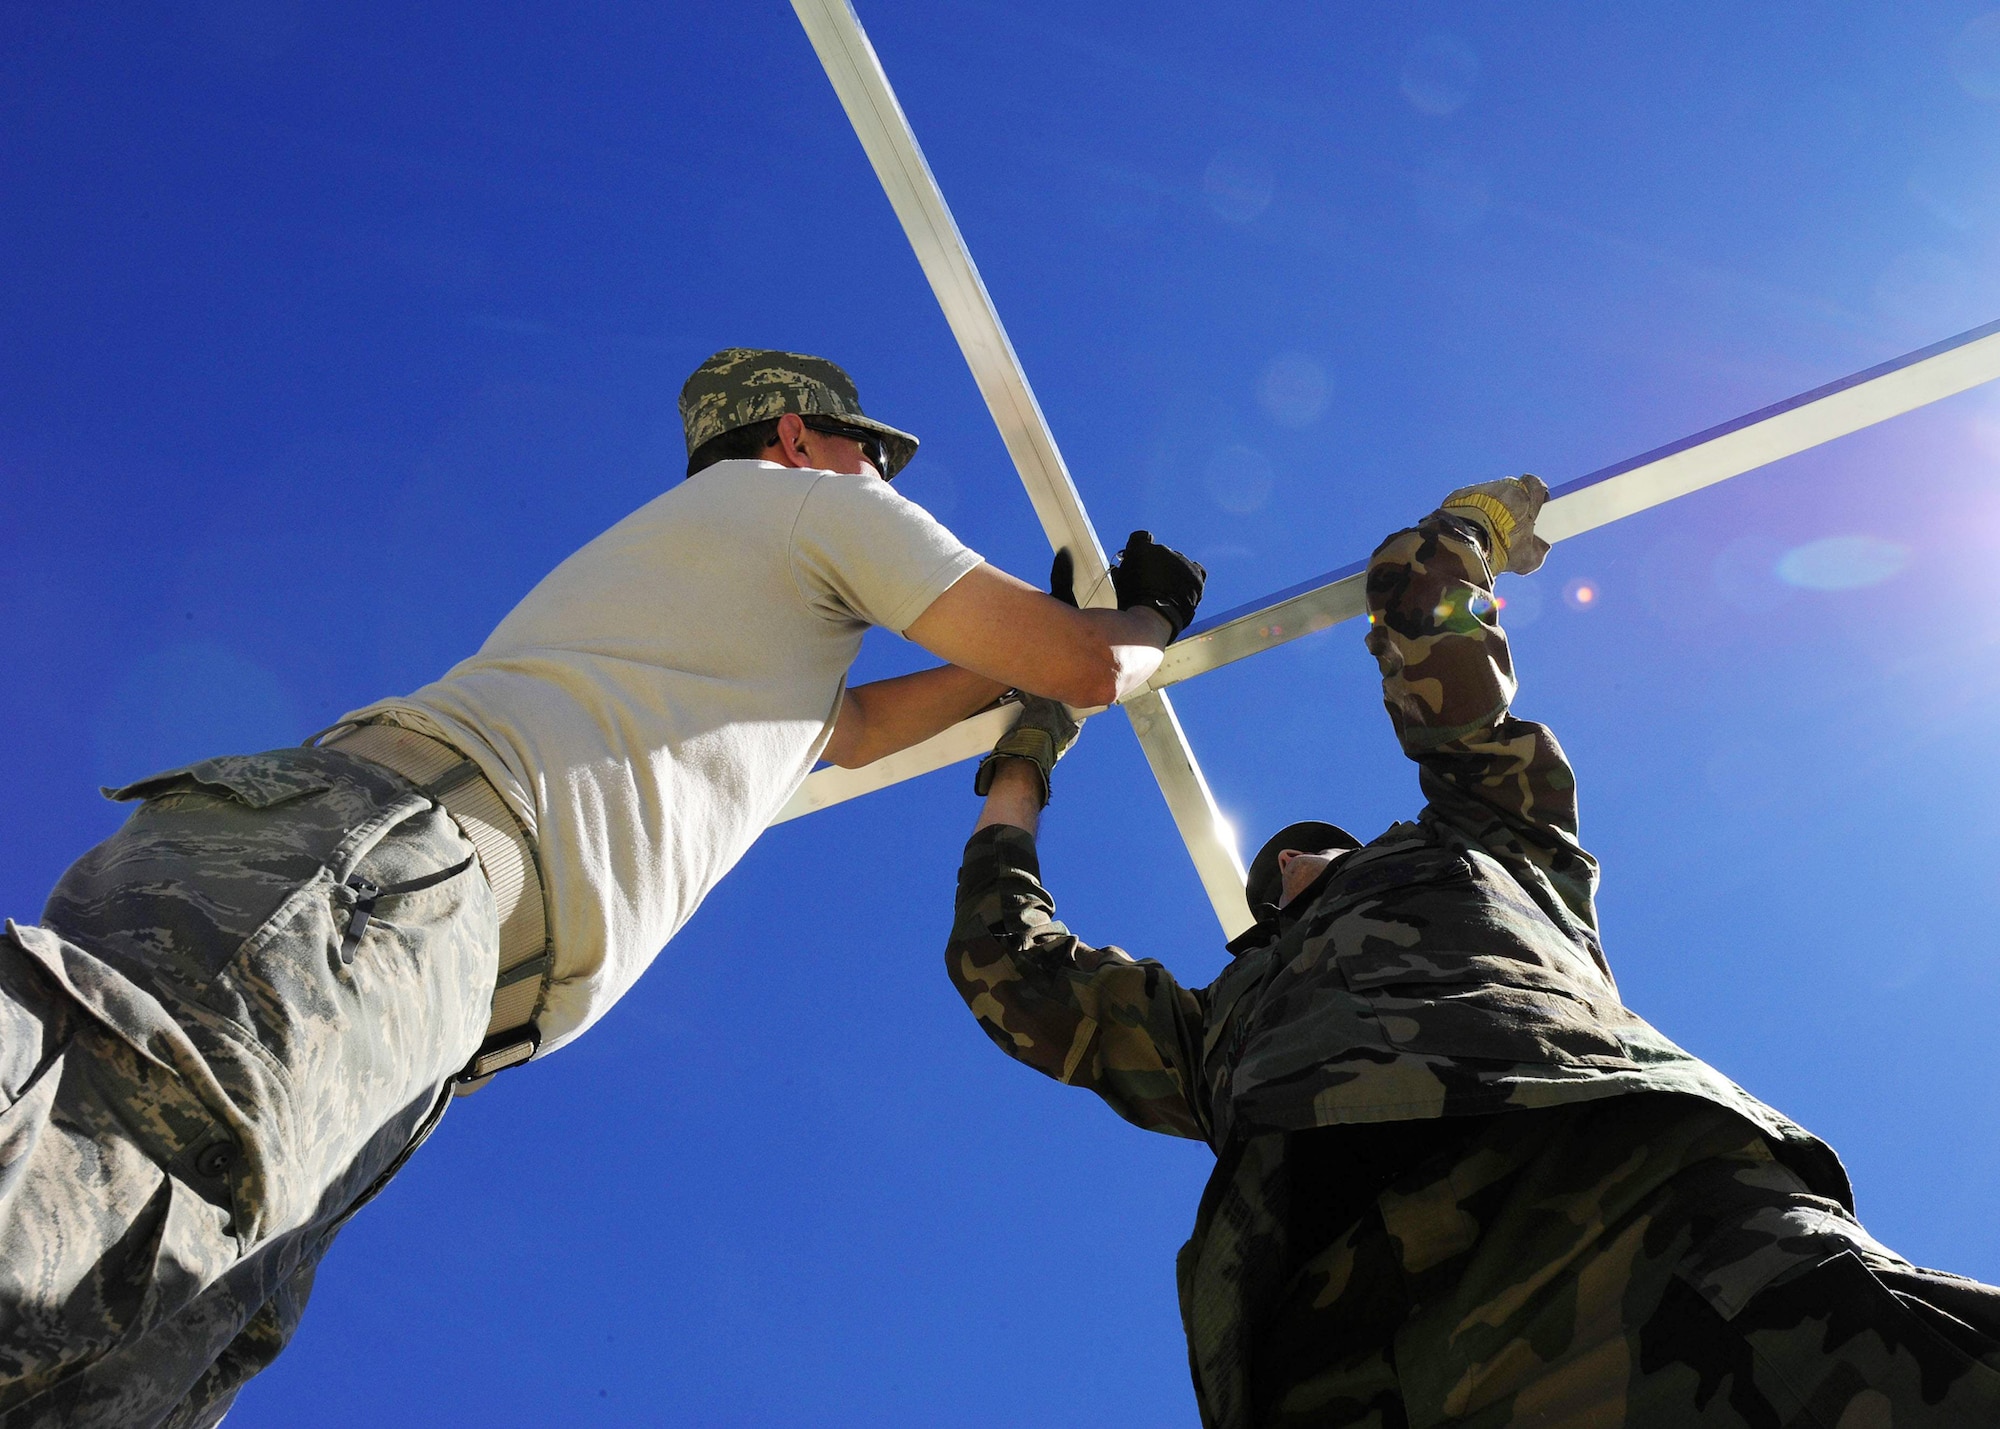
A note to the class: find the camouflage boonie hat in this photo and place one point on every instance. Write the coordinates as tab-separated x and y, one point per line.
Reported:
741	385
1264	884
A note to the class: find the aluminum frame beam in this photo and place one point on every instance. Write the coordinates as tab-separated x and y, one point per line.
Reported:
891	145
1756	439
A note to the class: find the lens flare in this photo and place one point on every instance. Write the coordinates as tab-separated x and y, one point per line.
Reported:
1842	563
1581	593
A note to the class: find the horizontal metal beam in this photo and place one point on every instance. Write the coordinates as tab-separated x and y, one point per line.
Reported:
1265	624
1587	503
1782	429
1889	389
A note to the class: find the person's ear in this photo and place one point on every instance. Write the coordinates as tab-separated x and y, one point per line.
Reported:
792	436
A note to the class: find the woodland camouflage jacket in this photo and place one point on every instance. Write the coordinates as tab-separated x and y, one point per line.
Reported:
1452	966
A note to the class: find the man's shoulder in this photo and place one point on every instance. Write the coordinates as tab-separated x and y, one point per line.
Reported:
742	481
730	495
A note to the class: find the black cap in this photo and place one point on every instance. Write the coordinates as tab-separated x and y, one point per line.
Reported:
1307	836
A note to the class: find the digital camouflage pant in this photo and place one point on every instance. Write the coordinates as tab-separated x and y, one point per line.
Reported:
1641	1262
201	1074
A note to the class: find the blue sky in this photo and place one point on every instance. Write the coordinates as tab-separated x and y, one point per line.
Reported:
329	330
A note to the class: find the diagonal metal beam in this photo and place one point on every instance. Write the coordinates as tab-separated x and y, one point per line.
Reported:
879	122
1756	439
1783	429
884	130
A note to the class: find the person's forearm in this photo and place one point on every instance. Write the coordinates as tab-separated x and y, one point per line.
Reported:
1012	632
1137	638
1015	799
880	718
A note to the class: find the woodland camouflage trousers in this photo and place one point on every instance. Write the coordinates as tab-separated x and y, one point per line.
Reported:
1641	1262
201	1075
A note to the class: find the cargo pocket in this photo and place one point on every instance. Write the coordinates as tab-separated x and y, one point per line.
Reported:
212	852
1846	1347
36	1028
1402	934
1744	1254
257	781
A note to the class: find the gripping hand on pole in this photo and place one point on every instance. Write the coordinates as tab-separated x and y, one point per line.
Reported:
1158	578
1504	512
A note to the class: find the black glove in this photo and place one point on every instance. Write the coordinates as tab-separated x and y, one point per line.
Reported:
1062	578
1158	578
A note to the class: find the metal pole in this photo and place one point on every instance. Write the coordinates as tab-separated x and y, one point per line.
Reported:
879	122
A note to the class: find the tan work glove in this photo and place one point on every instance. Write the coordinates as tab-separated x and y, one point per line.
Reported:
1505	510
1042	735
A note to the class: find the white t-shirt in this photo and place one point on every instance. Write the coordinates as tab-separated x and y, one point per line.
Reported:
653	703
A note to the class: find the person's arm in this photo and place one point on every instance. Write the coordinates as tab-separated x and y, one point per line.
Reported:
1447	681
859	551
1089	1017
881	717
1006	630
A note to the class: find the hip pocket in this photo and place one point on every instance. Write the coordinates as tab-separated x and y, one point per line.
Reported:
213	852
1836	1345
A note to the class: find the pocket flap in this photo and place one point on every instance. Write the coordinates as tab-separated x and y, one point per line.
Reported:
1423	965
1769	1244
1382	867
255	780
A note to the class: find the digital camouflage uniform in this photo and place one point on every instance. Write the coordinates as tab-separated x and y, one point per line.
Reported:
204	1071
202	1075
1457	1181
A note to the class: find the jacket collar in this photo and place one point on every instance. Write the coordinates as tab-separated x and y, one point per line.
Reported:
1274	922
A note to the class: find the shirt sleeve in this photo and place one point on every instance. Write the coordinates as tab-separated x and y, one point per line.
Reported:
862	552
1089	1017
1448	680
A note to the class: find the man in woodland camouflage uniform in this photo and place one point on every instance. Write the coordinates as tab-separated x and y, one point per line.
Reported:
241	1012
1457	1182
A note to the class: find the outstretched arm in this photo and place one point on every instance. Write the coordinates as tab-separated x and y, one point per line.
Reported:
1447	681
999	633
1090	1017
1010	632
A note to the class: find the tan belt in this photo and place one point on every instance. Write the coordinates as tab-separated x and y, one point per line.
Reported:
508	859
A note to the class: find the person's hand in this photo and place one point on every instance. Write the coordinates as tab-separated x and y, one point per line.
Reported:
1505	511
1158	578
1042	735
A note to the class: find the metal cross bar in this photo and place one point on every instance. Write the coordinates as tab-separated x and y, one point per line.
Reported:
1783	429
1625	488
1749	442
879	122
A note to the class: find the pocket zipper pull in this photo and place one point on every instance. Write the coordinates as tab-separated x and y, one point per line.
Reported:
366	892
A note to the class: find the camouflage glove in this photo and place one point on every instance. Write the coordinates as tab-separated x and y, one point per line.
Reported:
1043	735
1505	512
1158	578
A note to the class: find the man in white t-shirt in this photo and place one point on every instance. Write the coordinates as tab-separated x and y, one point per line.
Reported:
241	1013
